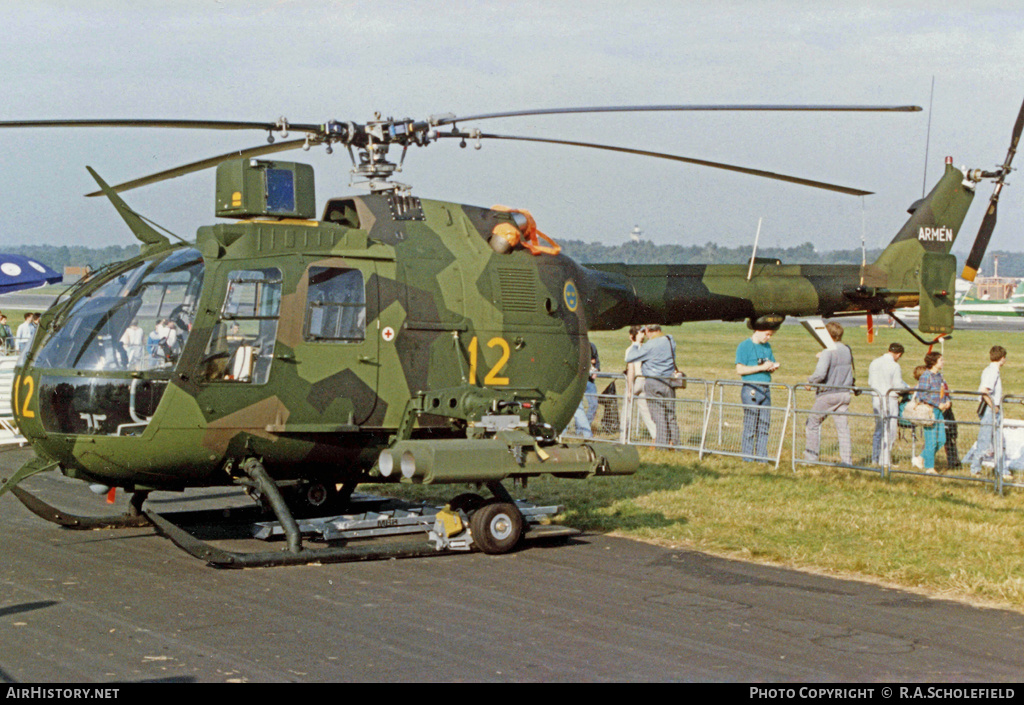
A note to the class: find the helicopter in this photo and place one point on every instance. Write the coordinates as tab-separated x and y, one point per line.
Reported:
394	338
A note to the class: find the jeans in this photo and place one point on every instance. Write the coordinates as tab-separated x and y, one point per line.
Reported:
587	410
934	438
985	445
756	399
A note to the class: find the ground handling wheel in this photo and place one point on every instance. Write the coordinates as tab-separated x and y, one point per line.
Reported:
317	494
496	527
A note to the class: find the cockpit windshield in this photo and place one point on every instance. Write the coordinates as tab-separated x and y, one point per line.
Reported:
138	320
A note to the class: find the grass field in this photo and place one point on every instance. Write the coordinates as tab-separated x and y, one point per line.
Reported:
954	539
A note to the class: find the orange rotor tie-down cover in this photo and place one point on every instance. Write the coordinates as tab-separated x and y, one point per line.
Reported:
530	235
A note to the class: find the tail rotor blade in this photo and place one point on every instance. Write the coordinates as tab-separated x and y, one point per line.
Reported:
1018	127
988	224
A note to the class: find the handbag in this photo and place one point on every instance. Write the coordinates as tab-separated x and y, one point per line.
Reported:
677	380
919	412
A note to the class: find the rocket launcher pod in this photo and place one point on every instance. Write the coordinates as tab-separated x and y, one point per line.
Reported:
486	460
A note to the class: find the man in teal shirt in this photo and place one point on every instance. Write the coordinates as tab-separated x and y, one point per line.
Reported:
755	363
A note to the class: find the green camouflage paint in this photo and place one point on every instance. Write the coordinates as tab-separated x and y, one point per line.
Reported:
453	331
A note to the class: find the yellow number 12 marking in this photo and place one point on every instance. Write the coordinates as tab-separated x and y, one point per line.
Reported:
491	377
29	388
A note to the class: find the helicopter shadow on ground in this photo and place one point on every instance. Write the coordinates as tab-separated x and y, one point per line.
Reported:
5	677
21	608
26	607
603	505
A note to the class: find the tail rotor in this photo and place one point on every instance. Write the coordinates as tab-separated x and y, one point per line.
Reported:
988	223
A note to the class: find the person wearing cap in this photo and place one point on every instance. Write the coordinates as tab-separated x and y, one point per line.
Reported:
656	353
755	363
884	375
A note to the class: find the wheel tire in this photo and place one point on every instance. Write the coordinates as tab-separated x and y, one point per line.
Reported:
496	527
317	495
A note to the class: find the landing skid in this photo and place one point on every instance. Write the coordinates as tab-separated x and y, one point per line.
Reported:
132	519
469	523
221	558
369	535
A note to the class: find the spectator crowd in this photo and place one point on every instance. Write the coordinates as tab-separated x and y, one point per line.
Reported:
922	410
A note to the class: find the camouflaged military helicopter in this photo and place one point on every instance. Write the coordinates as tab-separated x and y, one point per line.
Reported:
393	339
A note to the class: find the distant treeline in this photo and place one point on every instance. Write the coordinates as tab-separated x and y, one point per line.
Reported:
645	252
1011	264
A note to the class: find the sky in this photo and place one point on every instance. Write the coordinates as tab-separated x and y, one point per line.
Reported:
318	60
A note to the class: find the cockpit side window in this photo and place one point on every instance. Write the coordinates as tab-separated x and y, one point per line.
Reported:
336	306
241	348
139	319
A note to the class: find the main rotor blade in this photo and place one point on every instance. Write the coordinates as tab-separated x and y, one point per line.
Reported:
451	120
181	124
676	158
988	223
205	164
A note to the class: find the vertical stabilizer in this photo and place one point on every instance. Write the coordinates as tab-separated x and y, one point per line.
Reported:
919	260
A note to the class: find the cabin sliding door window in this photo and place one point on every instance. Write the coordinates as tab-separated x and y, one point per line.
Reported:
242	345
337	306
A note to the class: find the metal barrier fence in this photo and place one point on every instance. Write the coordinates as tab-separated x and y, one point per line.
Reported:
624	417
705	416
851	427
915	445
1011	433
747	420
838	427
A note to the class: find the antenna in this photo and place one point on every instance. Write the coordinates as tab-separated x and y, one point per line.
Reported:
863	247
928	138
863	236
753	255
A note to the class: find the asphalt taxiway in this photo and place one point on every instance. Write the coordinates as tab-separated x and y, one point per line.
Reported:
127	606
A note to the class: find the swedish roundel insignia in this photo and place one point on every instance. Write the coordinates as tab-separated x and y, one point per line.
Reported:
571	296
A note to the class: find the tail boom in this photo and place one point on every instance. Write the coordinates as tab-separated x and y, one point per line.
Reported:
915	269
